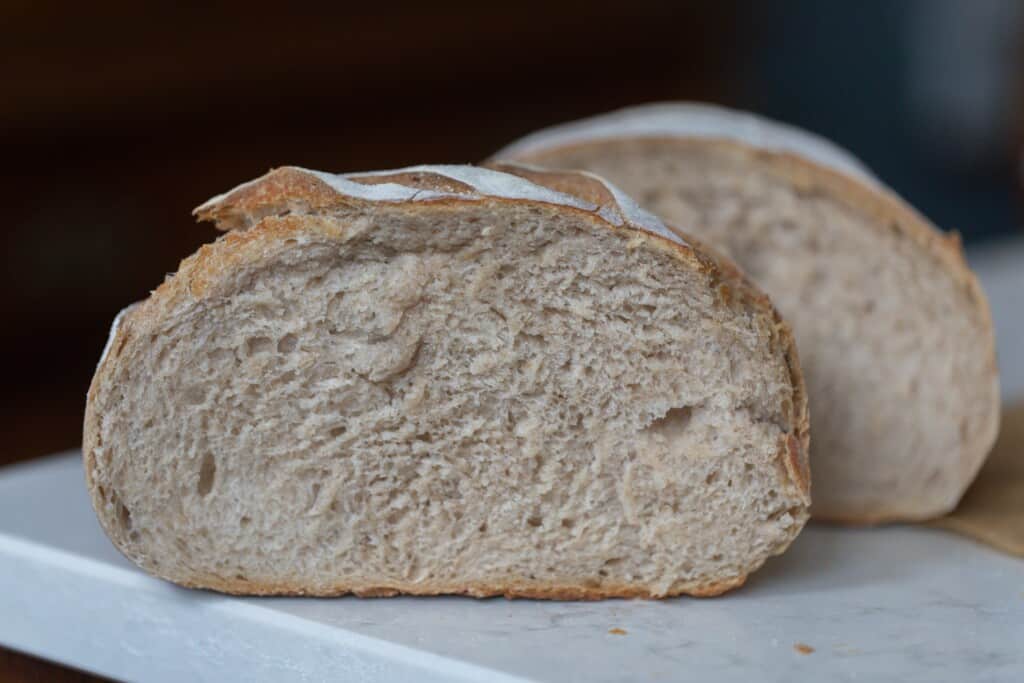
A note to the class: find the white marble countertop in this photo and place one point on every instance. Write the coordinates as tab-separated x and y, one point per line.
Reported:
889	604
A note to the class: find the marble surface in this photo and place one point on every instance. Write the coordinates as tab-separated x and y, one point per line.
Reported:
897	603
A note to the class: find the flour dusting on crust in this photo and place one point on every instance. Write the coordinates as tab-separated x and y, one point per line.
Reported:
686	119
483	183
492	183
113	331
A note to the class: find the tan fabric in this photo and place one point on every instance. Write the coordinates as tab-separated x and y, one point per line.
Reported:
992	511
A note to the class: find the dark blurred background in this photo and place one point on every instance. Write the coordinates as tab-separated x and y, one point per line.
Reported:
116	120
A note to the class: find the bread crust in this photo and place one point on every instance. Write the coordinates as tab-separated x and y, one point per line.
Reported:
519	589
305	196
886	211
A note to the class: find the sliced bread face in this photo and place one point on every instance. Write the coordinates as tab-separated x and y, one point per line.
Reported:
894	332
448	380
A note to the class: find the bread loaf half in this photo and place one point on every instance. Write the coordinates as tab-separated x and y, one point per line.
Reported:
448	379
893	329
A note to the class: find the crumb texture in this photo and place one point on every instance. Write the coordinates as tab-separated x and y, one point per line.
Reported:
480	397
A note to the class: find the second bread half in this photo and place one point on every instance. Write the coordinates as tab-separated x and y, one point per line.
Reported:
894	331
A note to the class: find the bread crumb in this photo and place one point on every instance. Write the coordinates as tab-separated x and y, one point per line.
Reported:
617	631
803	648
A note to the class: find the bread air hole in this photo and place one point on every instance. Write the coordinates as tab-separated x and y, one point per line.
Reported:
124	516
207	472
287	344
673	423
254	345
194	396
609	564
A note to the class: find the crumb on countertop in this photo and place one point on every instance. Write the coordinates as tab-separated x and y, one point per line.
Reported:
617	631
803	648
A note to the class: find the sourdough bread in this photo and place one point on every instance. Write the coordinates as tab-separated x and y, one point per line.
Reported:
894	331
448	380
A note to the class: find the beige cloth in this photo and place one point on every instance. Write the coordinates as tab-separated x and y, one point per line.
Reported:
992	511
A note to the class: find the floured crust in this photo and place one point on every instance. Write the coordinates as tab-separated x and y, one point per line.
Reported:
860	194
288	189
691	120
286	203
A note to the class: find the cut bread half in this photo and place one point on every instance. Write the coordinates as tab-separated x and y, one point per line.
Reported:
448	380
894	331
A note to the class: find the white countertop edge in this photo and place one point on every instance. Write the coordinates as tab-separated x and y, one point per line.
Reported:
214	637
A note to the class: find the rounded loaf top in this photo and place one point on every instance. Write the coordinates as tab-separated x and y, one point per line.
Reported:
693	119
456	181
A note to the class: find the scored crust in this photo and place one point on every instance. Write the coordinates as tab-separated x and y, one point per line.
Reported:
286	202
860	193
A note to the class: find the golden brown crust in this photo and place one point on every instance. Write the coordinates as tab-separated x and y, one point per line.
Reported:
256	206
537	590
282	189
